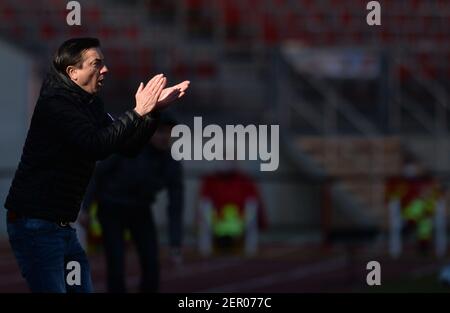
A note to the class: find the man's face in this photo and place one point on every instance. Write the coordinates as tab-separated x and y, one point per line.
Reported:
90	74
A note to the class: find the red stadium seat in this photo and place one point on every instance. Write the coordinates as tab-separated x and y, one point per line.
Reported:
8	13
329	38
319	19
232	14
357	37
305	37
206	69
122	69
415	4
427	68
61	14
54	3
441	38
292	23
78	31
429	71
428	21
270	30
47	32
115	55
105	32
145	55
345	18
131	32
306	4
194	4
280	3
400	20
403	73
93	15
251	5
180	69
443	5
412	38
154	5
386	36
423	58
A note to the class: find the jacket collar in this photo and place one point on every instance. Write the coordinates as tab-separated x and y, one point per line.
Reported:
56	83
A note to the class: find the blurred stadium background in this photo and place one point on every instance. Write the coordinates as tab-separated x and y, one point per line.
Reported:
356	105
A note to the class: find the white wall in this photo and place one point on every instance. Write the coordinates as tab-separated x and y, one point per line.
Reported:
16	88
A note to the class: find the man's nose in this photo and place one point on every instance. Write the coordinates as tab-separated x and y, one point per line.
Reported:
104	69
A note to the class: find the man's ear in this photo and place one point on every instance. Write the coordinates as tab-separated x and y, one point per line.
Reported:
72	72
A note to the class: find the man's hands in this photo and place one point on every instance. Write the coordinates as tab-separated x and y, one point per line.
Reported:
154	96
170	94
147	97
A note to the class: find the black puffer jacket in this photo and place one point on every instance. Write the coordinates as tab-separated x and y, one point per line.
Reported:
69	132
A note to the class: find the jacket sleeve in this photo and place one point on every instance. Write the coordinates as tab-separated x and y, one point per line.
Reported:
175	204
140	137
82	134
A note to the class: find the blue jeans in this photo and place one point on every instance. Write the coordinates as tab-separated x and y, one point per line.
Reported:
43	249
